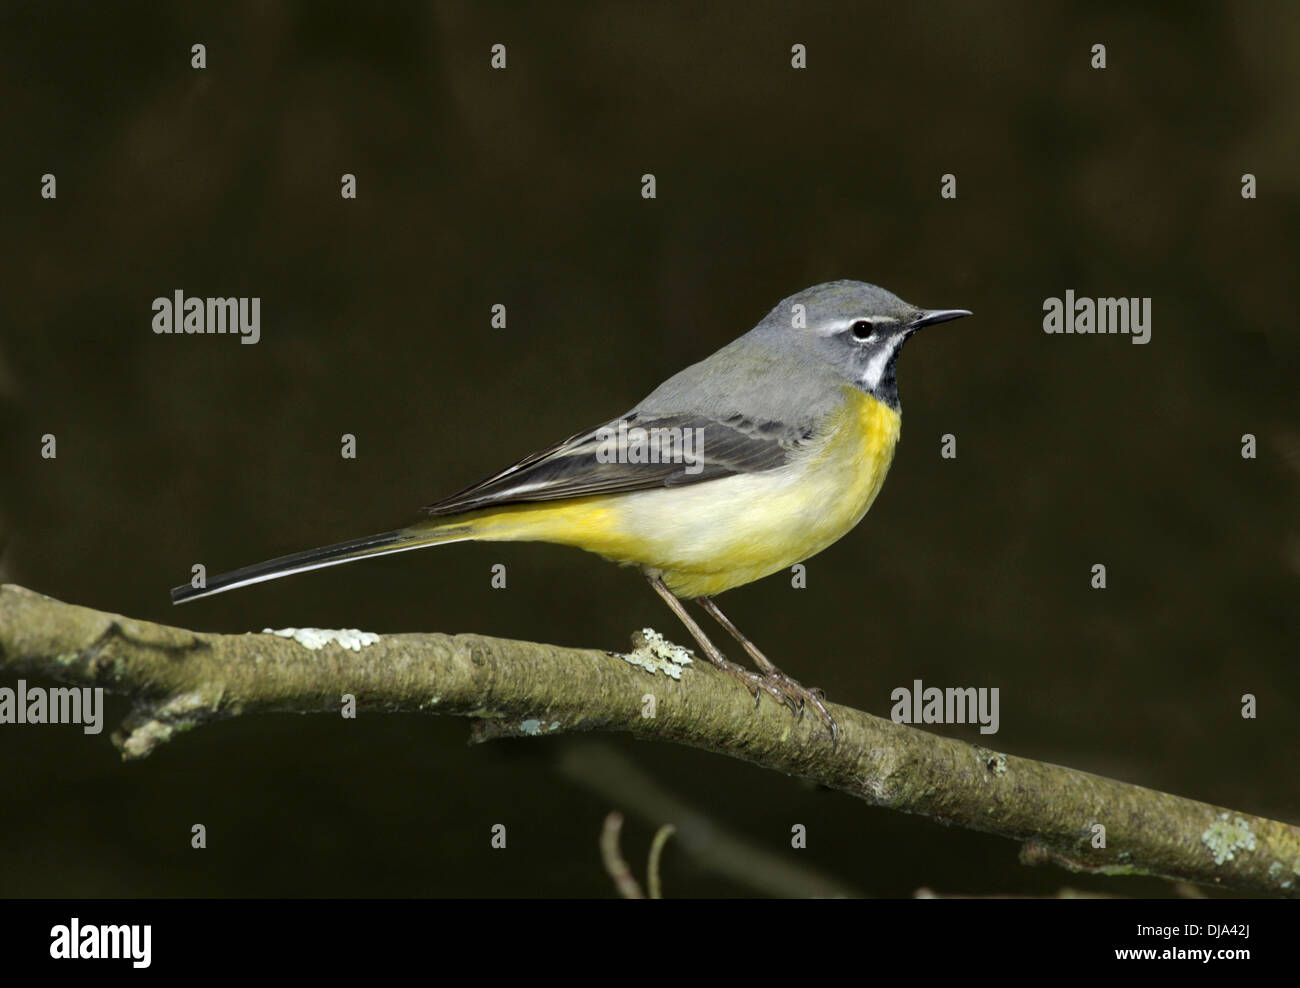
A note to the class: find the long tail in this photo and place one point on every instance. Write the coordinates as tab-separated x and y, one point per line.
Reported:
399	540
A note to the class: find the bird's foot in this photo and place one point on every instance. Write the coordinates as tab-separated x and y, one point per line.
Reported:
758	685
798	697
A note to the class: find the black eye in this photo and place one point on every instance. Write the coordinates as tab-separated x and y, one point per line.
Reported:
862	329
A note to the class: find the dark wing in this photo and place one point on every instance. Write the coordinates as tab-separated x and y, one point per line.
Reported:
604	460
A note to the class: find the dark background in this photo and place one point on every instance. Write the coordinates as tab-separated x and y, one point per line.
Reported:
523	187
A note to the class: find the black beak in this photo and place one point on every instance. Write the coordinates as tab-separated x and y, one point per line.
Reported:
932	317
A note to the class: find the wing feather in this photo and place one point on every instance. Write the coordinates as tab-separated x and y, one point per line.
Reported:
596	461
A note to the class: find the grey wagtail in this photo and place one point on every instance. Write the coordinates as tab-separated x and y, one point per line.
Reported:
741	465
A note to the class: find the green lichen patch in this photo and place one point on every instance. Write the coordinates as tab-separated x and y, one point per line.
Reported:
656	654
1226	837
314	638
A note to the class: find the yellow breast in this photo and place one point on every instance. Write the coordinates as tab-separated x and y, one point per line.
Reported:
712	536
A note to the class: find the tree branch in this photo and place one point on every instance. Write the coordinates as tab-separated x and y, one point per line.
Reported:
178	679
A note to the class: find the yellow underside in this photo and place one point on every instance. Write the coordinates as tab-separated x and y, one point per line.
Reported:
715	535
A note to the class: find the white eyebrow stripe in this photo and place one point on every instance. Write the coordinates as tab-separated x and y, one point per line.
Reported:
840	325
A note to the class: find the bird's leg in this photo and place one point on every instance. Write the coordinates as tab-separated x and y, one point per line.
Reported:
752	682
790	687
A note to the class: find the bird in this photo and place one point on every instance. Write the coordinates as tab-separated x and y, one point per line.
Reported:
739	466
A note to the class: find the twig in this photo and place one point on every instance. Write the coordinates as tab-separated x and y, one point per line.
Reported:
615	863
656	852
601	768
179	679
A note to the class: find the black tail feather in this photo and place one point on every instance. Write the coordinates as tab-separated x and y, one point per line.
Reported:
329	555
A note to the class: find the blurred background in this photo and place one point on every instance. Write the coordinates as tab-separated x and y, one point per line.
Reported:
522	187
